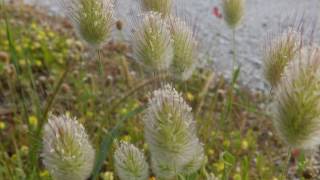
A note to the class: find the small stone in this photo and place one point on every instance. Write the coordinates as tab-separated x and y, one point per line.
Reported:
4	57
119	25
65	88
307	174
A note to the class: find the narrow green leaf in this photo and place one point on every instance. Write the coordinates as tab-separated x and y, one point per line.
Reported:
108	140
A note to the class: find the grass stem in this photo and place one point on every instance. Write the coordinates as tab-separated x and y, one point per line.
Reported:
286	168
204	92
126	72
235	75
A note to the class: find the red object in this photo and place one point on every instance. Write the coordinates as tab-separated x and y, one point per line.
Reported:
295	153
216	12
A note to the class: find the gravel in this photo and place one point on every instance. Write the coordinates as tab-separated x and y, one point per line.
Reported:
262	17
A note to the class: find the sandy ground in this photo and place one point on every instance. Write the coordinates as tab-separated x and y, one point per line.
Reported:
262	17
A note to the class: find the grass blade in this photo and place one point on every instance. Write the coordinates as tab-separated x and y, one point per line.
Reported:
108	140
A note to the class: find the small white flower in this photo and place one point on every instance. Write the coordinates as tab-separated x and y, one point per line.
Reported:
67	152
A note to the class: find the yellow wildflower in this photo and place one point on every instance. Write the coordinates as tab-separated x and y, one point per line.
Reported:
126	138
2	125
226	143
89	113
237	177
14	157
44	173
38	63
124	111
24	150
33	121
219	166
107	176
51	34
145	146
211	152
190	96
22	62
244	145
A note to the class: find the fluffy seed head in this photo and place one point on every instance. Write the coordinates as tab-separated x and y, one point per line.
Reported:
185	48
171	135
67	152
130	163
278	53
233	11
161	6
152	42
297	108
92	19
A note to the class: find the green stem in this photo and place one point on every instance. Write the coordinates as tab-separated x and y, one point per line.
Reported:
204	92
286	168
135	89
102	75
101	66
235	74
234	50
51	99
126	72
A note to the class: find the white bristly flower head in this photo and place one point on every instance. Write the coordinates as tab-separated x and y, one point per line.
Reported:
297	109
278	53
130	163
67	152
233	11
152	44
93	19
171	135
185	48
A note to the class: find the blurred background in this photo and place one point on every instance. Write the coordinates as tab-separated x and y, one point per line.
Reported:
262	18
